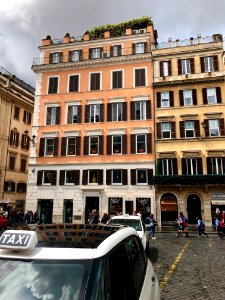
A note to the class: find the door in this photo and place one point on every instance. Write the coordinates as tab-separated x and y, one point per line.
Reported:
193	208
91	203
129	207
68	211
45	209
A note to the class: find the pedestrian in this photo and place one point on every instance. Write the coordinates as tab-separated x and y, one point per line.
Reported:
105	218
152	224
185	225
93	218
180	223
201	227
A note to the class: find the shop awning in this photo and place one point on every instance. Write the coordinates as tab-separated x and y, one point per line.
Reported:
7	201
218	198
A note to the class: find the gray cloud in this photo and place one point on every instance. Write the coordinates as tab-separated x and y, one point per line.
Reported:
27	22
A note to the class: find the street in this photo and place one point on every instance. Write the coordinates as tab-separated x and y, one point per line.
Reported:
189	268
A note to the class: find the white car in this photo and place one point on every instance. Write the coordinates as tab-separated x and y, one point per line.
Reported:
133	221
74	262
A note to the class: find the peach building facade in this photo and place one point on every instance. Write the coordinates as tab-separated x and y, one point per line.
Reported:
94	127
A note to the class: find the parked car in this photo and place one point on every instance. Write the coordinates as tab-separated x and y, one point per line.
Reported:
135	222
3	222
97	262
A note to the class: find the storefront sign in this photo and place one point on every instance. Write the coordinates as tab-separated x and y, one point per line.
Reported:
218	196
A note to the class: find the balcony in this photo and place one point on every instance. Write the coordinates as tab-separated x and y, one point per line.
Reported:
189	180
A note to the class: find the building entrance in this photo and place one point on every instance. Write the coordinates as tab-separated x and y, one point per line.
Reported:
193	208
91	203
45	208
169	209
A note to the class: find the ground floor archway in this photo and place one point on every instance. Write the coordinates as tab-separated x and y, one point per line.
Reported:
193	208
169	209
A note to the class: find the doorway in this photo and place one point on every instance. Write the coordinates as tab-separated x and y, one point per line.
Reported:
45	208
68	211
169	209
91	203
129	207
193	208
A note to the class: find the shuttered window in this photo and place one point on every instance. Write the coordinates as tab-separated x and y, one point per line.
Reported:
140	79
53	85
95	81
52	115
117	79
74	83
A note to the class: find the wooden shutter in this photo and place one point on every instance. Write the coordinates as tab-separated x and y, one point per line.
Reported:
204	96
171	99
149	143
74	83
133	176
79	114
100	177
161	68
209	165
124	177
182	134
140	77
184	166
39	177
101	112
159	167
109	112
58	110
199	165
148	109
124	111
173	130
150	176
56	143
11	162
87	113
77	177
85	177
101	145
192	63
194	96
42	147
63	146
133	48
54	173
181	96
13	186
23	145
48	115
221	125
86	145
158	130
117	79
133	143
108	177
206	122
218	95
132	111
169	68
179	67
78	144
11	138
215	63
175	168
197	128
81	54
109	144
61	177
124	141
158	97
90	50
202	64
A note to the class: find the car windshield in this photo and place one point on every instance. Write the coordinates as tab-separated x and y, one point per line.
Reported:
128	222
64	280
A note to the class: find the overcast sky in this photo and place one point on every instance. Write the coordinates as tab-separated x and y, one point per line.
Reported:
24	23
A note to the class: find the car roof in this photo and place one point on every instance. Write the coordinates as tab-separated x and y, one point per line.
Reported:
80	241
126	217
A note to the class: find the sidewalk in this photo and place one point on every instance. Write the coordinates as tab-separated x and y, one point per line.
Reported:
191	229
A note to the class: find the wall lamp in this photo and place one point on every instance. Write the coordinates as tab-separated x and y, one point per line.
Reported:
33	140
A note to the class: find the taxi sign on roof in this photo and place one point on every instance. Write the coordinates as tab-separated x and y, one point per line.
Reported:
18	240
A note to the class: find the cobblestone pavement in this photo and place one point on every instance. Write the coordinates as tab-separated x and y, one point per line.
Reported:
189	268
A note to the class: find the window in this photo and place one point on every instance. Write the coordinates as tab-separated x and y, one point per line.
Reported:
25	142
21	187
53	85
93	177
71	146
191	166
140	110
94	113
189	129
117	79
165	68
117	144
166	130
72	114
9	186
116	176
69	177
94	145
117	111
214	129
165	99
27	117
167	167
141	176
48	177
95	53
14	138
75	55
16	112
208	64
140	77
49	146
211	95
12	160
139	48
52	115
141	143
187	96
116	50
55	58
73	83
185	66
23	164
217	165
95	81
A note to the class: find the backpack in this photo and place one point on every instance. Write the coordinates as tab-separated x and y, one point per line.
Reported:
185	222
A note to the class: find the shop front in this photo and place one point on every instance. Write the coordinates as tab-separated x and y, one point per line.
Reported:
169	209
217	204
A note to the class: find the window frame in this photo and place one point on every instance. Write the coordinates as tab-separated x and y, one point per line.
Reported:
185	98
214	95
117	111
165	102
53	89
167	167
72	107
211	127
191	166
46	150
141	146
92	78
117	145
142	109
95	111
68	146
138	173
113	175
208	63
51	113
189	130
70	85
217	166
170	130
185	66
